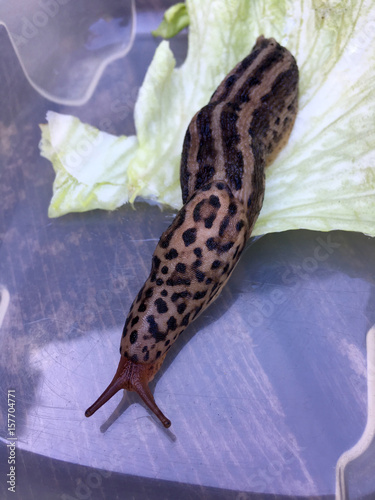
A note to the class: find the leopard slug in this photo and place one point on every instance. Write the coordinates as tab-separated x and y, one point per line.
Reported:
226	148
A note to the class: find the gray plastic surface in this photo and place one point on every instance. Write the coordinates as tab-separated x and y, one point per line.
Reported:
266	390
64	46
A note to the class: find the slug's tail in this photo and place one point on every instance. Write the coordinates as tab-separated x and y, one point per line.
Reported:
132	377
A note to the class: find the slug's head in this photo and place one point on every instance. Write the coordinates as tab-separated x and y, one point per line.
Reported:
132	377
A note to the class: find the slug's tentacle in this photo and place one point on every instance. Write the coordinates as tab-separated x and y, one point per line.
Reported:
226	147
131	377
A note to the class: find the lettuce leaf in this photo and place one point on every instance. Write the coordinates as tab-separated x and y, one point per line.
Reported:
175	19
324	178
88	165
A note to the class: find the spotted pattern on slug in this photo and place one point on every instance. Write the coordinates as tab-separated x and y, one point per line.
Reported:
192	262
226	148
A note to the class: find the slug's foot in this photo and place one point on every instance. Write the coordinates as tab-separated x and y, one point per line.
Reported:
132	377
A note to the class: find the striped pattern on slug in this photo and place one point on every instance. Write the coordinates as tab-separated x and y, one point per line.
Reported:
246	122
226	148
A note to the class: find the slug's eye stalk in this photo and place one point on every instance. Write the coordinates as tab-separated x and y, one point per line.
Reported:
132	377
